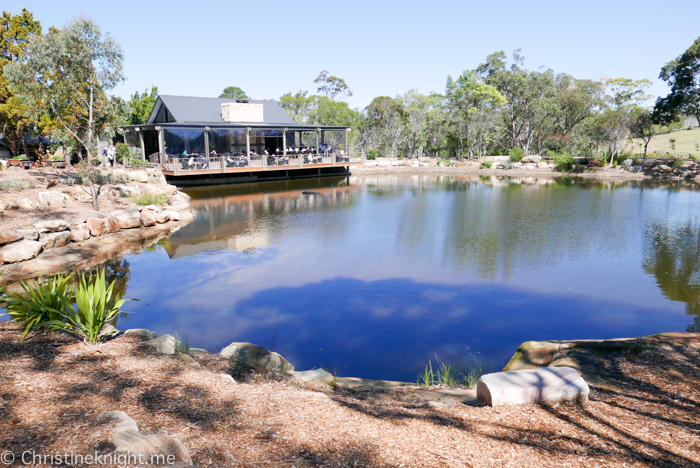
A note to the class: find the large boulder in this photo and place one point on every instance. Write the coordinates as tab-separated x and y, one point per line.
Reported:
532	159
153	190
53	197
180	205
97	226
50	240
27	204
173	215
79	232
128	219
163	217
313	376
542	165
52	225
126	190
111	224
138	176
163	344
19	251
147	218
10	237
545	385
255	357
153	208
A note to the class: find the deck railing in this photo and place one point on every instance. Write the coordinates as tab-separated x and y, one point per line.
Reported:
230	162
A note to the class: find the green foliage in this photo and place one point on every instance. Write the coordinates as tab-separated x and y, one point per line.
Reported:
19	157
676	161
138	163
123	151
140	107
41	304
564	162
372	153
95	306
453	373
9	185
233	92
182	346
516	154
507	165
683	76
486	165
144	199
332	86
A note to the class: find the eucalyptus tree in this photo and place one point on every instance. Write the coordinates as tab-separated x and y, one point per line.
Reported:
298	106
332	86
16	119
642	126
141	105
387	117
474	109
436	125
683	75
416	109
233	92
72	70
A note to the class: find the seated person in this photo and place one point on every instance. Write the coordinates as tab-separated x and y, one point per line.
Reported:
231	162
243	161
190	163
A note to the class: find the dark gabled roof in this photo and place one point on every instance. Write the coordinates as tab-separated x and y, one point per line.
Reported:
187	109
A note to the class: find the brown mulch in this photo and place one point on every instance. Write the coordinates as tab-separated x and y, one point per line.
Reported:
79	207
53	387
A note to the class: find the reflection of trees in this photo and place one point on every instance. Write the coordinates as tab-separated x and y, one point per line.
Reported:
672	255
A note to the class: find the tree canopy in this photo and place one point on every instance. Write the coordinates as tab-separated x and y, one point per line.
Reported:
683	75
141	105
233	92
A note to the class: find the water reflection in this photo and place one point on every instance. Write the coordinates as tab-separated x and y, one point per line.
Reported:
672	256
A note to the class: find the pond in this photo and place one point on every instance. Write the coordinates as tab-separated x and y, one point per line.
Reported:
374	275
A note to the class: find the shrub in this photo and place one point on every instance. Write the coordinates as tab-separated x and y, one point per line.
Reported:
94	307
42	304
182	346
20	156
154	180
486	165
111	179
138	163
564	162
144	199
372	153
56	157
676	161
507	165
122	152
9	185
516	154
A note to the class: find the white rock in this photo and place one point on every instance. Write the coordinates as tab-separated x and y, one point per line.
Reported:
180	205
80	232
142	333
153	208
163	217
532	159
138	176
52	225
315	375
163	344
542	165
530	166
52	197
27	204
50	240
20	251
174	215
546	385
128	219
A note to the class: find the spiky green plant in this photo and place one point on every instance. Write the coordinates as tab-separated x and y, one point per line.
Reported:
95	305
42	305
180	345
426	376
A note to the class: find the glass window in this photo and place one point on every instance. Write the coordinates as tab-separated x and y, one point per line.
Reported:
227	140
178	140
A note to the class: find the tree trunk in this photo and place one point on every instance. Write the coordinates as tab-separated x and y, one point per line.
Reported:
90	128
25	147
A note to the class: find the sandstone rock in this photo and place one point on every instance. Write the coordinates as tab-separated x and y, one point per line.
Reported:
128	219
663	168
28	234
162	217
79	232
530	166
545	385
532	159
145	447
20	251
153	190
27	204
52	225
186	359
127	190
517	165
163	344
142	333
53	198
199	352
50	240
9	237
111	224
147	218
315	375
9	204
169	189
184	196
180	205
138	176
542	165
255	357
153	208
174	215
97	226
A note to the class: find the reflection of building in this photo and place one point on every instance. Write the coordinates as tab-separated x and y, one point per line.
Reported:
212	137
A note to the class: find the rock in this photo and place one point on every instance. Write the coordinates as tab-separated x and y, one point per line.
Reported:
169	189
142	333
128	219
9	237
147	218
153	190
517	165
530	166
50	240
28	234
186	359
628	162
184	196
145	448
174	215
180	205
225	378
542	165
663	168
199	352
315	375
126	190
80	232
97	226
255	357
545	385
153	208
532	159
163	344
27	204
9	204
636	169
52	225
20	251
52	197
111	224
162	217
138	176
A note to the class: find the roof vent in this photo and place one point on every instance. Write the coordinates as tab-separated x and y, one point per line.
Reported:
242	101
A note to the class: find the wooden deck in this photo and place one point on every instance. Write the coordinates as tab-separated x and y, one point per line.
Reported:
214	166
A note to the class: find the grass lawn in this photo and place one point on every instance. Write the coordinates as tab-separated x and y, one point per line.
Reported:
687	142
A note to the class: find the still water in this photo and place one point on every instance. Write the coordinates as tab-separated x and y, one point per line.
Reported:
374	275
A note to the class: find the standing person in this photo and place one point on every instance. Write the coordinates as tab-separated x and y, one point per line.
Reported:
111	154
104	157
325	150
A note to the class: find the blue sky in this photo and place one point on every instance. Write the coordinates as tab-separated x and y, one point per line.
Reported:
379	48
